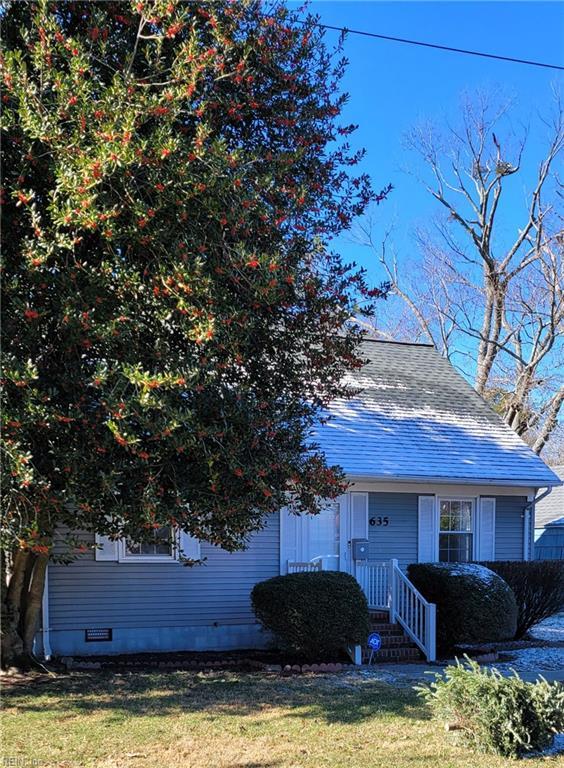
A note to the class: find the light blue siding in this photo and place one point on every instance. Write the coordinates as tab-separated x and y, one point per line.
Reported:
164	606
399	538
509	527
549	543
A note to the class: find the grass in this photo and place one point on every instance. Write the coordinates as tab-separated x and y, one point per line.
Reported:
225	720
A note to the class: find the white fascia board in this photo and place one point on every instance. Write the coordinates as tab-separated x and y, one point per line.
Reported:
435	487
509	483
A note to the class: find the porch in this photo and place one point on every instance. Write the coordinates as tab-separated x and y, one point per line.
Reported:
388	589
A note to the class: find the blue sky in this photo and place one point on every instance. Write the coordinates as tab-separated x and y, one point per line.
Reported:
393	85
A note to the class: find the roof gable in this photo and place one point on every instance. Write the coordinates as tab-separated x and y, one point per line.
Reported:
417	418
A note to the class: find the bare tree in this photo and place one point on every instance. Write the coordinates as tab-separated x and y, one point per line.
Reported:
482	287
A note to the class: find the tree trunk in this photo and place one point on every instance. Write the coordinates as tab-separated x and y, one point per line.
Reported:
33	603
550	421
22	593
13	583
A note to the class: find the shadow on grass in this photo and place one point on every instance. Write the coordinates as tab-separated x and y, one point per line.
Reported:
336	699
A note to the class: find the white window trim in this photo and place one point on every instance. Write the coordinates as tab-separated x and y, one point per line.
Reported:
125	557
473	531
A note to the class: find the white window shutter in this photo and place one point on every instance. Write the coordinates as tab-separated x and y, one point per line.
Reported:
485	541
359	516
289	538
189	546
427	533
106	548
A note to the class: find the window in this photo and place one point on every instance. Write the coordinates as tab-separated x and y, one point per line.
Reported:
456	544
162	546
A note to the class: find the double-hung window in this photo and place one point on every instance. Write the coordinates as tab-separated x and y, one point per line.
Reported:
456	530
161	546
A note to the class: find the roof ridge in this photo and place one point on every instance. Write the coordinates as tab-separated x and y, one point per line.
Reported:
405	343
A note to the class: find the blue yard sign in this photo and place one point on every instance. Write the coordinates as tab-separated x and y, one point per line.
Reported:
374	643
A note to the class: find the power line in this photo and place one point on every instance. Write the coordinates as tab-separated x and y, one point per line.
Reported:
441	47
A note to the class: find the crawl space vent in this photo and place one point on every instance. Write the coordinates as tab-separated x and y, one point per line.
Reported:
97	635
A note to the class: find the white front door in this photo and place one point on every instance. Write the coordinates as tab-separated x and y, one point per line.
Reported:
324	536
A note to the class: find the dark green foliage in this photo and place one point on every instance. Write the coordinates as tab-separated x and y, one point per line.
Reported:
313	614
496	714
474	605
538	586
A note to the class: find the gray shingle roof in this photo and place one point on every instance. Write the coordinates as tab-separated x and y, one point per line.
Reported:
417	418
551	509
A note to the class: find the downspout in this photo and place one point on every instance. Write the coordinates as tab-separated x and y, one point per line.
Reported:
528	534
45	618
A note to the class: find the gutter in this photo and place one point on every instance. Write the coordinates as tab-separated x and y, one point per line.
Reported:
541	497
45	618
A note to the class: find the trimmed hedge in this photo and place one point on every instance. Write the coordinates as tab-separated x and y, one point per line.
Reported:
496	714
538	586
313	614
474	605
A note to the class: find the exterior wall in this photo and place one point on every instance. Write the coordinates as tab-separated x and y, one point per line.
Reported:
509	527
399	538
167	606
164	606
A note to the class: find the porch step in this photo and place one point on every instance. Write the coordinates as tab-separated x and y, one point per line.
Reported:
397	646
397	655
387	629
379	615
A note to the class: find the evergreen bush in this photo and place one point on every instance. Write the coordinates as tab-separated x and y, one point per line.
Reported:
474	605
538	586
313	614
496	714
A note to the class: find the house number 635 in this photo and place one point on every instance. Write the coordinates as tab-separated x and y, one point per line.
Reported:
379	520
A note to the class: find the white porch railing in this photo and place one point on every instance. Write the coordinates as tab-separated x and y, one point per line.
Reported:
374	578
307	567
387	588
416	615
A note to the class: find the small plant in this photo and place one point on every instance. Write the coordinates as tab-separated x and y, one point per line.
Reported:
538	586
493	713
474	605
313	614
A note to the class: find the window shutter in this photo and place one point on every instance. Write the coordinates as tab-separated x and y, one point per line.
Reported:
189	546
427	533
359	515
485	549
289	529
106	548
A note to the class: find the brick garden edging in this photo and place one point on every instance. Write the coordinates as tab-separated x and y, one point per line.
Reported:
240	664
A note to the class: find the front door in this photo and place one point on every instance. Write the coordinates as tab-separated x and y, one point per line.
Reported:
324	536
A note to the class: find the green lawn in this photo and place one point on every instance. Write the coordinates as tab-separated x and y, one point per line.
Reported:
225	720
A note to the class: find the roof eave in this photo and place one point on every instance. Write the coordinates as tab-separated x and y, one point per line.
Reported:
439	480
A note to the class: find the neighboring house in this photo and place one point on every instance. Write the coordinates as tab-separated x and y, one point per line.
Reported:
549	523
435	475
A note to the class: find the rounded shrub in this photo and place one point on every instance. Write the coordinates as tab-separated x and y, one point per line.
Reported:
314	614
474	605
